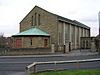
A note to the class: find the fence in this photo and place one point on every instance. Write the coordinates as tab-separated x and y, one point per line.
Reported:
32	67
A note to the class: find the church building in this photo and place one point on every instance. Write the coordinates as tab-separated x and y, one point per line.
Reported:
42	29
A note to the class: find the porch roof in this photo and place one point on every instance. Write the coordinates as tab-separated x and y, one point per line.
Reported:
33	32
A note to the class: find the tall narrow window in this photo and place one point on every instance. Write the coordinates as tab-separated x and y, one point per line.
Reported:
45	42
38	19
32	21
35	19
31	41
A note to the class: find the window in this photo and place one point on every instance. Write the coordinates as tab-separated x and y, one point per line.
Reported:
32	21
35	19
31	42
45	42
38	19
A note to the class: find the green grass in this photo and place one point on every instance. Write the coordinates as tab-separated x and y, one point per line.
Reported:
71	72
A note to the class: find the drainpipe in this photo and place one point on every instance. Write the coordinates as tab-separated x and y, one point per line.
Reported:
99	23
99	33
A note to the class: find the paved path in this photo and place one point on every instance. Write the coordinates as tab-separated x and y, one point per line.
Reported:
82	52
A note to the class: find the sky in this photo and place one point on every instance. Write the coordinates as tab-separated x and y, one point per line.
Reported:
13	11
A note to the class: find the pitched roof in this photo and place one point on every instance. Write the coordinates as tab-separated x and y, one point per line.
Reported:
63	18
74	22
66	19
33	32
81	24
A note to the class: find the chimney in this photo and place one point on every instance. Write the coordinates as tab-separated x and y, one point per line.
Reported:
99	23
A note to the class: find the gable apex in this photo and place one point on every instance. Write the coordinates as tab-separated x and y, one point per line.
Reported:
38	8
29	12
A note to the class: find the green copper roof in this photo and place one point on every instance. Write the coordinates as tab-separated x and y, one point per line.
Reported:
32	32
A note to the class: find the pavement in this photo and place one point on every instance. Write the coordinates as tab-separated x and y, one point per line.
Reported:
82	52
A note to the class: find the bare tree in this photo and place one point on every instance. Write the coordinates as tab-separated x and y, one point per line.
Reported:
1	35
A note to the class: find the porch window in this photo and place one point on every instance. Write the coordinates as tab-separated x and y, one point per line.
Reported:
31	42
45	42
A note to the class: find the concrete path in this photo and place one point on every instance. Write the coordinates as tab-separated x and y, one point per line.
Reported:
82	52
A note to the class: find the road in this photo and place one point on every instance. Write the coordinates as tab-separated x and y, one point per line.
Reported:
16	65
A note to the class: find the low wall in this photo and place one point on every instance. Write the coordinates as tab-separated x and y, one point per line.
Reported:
24	51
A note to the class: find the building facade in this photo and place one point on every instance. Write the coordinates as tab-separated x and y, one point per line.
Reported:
61	31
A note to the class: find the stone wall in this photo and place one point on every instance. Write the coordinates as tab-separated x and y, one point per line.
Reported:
48	22
88	43
37	42
24	51
72	34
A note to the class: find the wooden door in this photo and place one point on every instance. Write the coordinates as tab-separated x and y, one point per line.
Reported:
18	43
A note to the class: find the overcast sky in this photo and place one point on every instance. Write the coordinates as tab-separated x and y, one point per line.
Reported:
13	11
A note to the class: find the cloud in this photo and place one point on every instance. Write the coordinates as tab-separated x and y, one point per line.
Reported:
13	11
4	3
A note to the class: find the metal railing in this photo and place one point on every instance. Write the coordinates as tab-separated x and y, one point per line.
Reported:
32	67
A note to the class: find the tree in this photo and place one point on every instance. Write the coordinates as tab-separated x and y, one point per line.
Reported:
2	40
1	34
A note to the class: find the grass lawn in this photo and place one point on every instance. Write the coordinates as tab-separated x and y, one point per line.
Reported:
71	72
